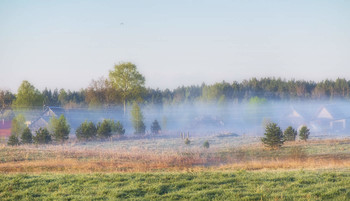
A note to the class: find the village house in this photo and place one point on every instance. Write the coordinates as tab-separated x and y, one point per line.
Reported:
6	116
44	119
331	118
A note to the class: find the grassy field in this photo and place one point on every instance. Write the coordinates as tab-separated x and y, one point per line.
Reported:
153	155
236	185
161	168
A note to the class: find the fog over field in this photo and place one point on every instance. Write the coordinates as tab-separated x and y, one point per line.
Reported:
203	119
174	100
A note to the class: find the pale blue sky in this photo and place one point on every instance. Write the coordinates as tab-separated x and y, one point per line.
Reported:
66	44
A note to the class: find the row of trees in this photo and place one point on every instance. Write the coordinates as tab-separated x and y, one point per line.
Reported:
125	84
58	129
275	137
107	128
103	130
42	137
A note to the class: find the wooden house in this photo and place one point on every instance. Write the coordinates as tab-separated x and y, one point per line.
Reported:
44	119
296	117
331	118
6	116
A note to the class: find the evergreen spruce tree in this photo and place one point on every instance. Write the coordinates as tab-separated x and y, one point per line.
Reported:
13	140
27	137
104	129
86	131
42	136
290	134
273	136
304	133
61	129
155	127
119	128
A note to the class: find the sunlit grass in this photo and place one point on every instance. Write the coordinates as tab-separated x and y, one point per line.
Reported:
234	185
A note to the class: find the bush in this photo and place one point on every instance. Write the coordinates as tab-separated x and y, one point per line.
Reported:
104	129
60	129
206	144
290	134
155	127
187	141
116	127
273	136
86	131
119	128
42	136
304	133
27	137
13	140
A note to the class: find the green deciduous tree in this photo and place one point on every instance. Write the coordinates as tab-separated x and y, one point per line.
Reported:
101	93
137	119
27	137
257	101
155	127
206	144
127	81
104	129
28	97
273	136
13	140
18	125
42	136
290	134
86	131
52	124
60	129
304	133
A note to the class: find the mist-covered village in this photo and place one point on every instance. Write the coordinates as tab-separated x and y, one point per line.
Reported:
200	119
223	108
174	100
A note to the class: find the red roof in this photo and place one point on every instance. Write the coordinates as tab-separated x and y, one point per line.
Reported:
5	128
5	132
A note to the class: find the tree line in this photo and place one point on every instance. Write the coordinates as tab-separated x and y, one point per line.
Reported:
125	85
59	129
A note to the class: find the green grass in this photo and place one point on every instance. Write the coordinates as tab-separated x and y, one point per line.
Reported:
237	185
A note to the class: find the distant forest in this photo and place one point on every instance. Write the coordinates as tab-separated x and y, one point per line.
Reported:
101	93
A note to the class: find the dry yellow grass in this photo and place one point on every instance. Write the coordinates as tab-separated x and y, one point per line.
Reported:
315	154
170	164
310	163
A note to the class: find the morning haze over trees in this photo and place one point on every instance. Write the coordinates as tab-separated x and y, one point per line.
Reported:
189	111
126	84
125	87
